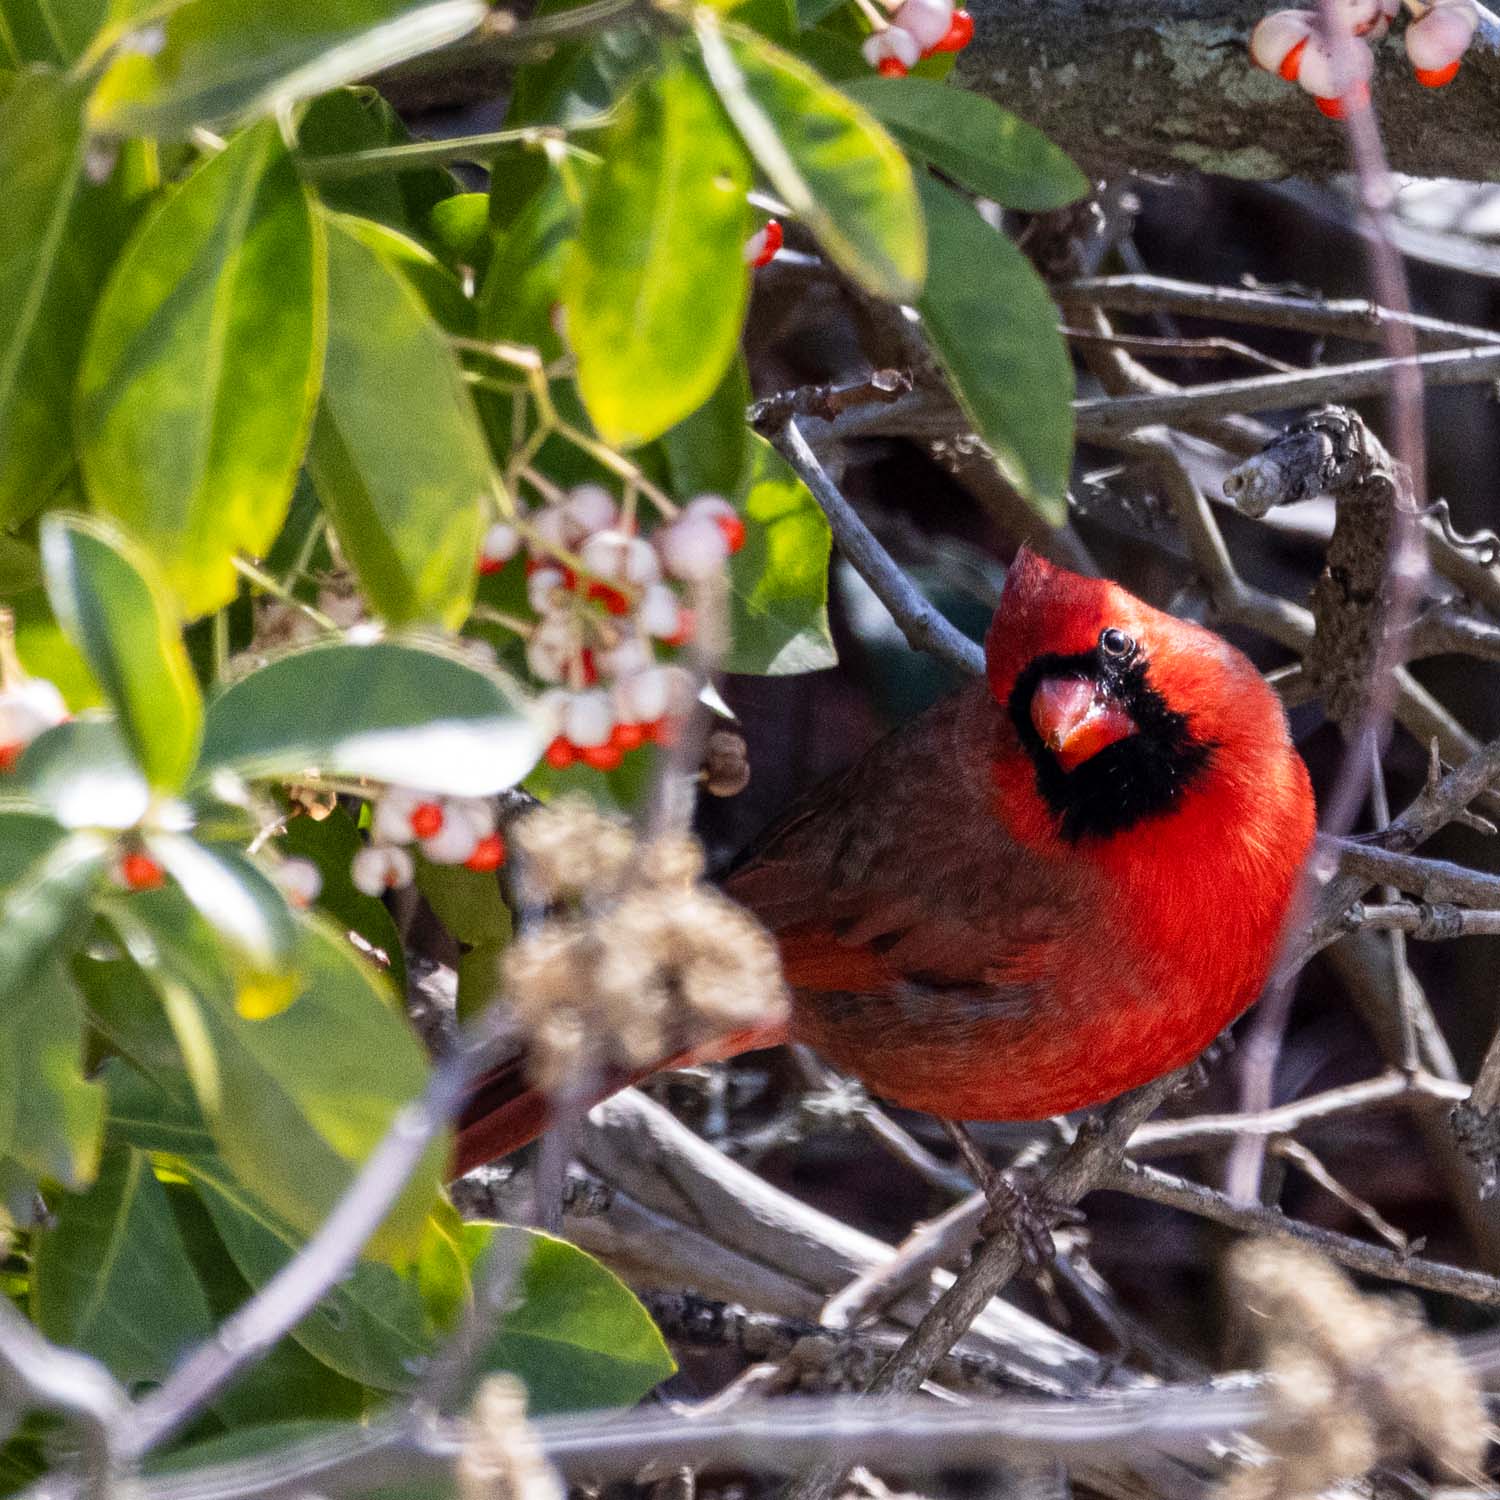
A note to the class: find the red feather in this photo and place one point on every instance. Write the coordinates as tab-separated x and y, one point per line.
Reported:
949	943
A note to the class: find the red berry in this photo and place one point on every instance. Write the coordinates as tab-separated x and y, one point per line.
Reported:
687	623
489	854
1435	78
1291	64
426	819
662	732
534	564
141	873
733	530
604	757
891	67
960	33
771	239
626	737
589	667
612	599
490	565
560	754
9	755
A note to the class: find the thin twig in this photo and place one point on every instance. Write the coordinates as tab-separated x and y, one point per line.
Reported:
1161	1187
921	623
1100	416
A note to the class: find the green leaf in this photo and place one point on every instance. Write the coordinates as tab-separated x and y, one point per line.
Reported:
708	449
468	903
222	58
201	373
358	119
994	327
460	228
838	171
83	773
48	31
59	1115
392	711
240	903
575	1333
52	253
46	878
438	287
285	1381
112	1277
405	481
156	1113
656	288
298	1098
368	1328
974	141
331	844
778	616
107	597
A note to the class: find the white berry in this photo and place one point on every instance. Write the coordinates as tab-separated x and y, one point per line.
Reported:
541	585
300	881
391	822
618	557
589	508
551	647
1442	36
894	41
660	613
691	547
380	868
453	843
1277	34
589	719
927	20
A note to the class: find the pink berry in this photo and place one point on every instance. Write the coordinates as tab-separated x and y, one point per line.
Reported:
691	547
589	508
926	20
1280	36
893	44
501	543
620	558
379	868
1437	41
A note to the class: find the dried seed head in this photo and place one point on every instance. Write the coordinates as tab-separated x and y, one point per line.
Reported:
1357	1378
501	1458
570	849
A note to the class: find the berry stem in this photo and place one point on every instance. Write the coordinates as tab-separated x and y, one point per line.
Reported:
278	590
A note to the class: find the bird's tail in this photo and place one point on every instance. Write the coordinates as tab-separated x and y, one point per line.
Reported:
505	1112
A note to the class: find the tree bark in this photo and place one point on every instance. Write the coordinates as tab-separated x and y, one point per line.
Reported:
1166	86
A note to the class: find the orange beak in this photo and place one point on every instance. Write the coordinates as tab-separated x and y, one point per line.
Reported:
1076	719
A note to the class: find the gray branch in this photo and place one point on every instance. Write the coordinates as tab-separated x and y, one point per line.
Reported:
1167	86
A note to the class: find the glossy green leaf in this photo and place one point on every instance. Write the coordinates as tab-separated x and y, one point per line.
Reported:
460	229
708	449
200	377
238	900
404	480
778	619
392	711
108	598
438	287
656	287
358	119
575	1333
995	329
331	844
45	650
49	275
156	1113
46	878
83	773
112	1277
368	1328
55	32
298	1098
285	1381
469	905
212	59
58	1113
837	169
974	141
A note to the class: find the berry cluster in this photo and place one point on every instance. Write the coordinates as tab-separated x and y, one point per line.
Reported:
1291	43
917	29
28	707
604	597
448	831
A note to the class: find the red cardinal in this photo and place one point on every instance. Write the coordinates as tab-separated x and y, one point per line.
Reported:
1054	885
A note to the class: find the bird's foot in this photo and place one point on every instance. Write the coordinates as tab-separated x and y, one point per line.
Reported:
1017	1204
1024	1210
1200	1070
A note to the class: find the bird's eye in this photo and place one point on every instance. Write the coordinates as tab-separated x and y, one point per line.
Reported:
1114	642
